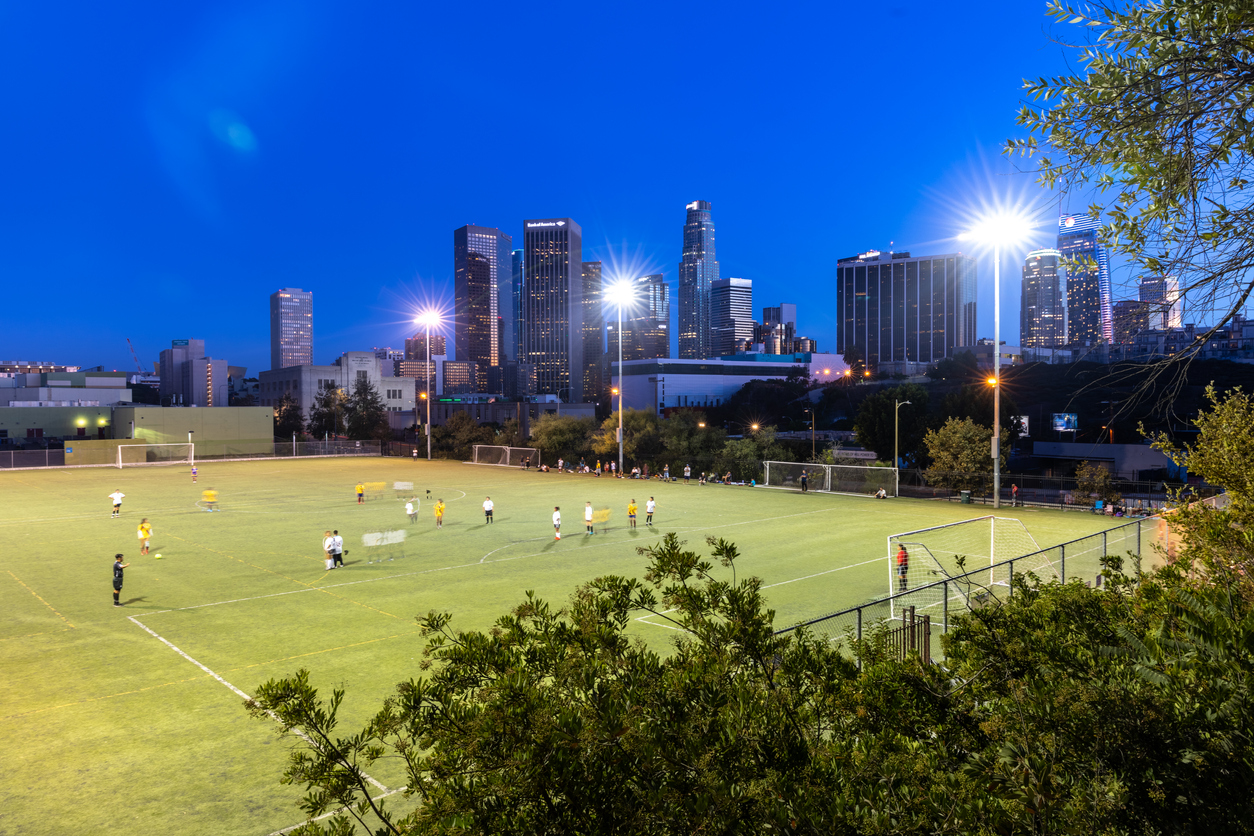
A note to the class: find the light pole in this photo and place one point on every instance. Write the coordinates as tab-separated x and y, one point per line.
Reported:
812	449
896	438
998	230
621	292
428	319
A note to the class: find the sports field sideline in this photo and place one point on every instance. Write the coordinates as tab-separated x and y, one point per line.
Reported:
129	720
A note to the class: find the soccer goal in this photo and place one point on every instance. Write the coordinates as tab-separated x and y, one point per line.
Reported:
135	455
834	478
505	456
959	565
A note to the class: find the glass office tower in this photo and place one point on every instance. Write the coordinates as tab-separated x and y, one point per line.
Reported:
481	263
698	270
552	306
731	316
1088	280
1043	303
291	328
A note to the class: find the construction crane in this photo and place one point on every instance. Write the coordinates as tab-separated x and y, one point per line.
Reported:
135	356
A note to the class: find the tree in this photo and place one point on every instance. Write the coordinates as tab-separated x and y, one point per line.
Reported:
642	438
743	457
329	412
367	414
289	419
690	438
562	436
855	359
960	451
1094	480
962	366
1154	130
510	435
458	436
875	422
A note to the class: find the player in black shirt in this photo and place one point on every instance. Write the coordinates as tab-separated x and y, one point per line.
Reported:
118	566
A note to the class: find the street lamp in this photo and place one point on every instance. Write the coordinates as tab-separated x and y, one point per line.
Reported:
428	319
621	294
998	230
812	452
896	455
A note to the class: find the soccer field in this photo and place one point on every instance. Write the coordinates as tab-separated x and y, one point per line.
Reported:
130	720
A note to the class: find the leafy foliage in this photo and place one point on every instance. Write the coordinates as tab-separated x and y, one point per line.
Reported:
458	436
329	413
875	422
289	418
562	436
642	437
1094	480
959	450
366	415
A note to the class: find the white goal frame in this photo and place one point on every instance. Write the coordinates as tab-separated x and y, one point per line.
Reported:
189	458
501	456
854	480
927	547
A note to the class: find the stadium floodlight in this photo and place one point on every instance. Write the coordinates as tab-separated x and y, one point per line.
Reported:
428	319
896	437
622	294
1000	229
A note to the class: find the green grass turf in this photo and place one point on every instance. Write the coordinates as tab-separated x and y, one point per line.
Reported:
107	729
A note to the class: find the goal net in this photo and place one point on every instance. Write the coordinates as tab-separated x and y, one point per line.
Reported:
505	456
955	566
834	478
135	455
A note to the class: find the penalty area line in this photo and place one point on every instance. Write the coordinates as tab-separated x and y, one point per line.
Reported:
332	813
235	690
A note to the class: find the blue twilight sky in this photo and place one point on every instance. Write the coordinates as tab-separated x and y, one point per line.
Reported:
169	165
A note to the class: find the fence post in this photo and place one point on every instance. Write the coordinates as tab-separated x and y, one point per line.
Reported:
1012	580
859	638
1104	544
1063	561
945	606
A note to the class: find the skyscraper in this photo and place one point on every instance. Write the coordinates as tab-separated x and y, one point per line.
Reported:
1165	306
552	306
1088	280
291	328
896	309
514	350
646	325
593	329
190	378
778	331
698	270
481	257
1043	304
731	315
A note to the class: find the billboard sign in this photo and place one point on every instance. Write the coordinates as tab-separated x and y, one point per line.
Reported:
1022	422
1065	422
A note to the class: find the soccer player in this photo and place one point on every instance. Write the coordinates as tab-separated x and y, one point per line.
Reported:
439	513
409	510
557	522
144	532
415	454
337	549
631	513
666	473
194	471
649	508
587	519
210	498
117	496
903	566
487	510
118	566
327	542
361	493
687	473
804	481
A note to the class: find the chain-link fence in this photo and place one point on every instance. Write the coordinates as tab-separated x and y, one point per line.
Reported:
83	456
1074	560
49	457
1042	491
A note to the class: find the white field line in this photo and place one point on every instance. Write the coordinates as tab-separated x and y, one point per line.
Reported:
237	691
332	813
644	618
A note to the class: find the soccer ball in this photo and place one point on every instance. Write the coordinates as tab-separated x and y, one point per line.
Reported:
158	557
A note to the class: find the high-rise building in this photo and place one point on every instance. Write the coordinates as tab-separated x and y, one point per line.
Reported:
552	306
698	270
190	378
731	315
514	349
1129	317
896	309
593	329
646	321
1043	303
1163	297
416	346
778	331
1088	280
460	377
482	265
291	328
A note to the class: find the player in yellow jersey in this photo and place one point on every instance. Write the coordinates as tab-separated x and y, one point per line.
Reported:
439	513
361	493
631	513
210	498
144	532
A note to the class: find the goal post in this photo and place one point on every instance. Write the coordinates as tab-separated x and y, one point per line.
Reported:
500	456
940	570
831	478
138	455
